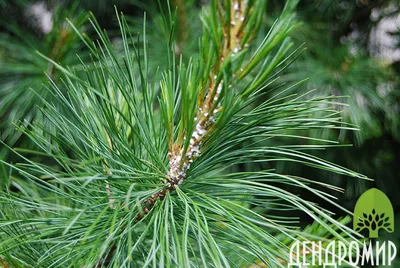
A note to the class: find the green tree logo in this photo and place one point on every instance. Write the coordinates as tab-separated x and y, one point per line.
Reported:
373	212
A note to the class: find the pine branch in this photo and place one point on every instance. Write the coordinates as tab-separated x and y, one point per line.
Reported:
126	138
3	263
180	158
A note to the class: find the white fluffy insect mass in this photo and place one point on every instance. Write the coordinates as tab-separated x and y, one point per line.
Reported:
179	168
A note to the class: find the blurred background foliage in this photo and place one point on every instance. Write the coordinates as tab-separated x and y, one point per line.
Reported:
352	50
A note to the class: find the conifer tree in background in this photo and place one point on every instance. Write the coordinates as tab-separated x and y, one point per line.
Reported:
341	59
23	71
141	165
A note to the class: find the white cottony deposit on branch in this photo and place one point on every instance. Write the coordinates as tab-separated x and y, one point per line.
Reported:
179	166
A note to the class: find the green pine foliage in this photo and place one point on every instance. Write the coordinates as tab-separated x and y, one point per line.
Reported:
346	75
142	164
339	60
24	71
